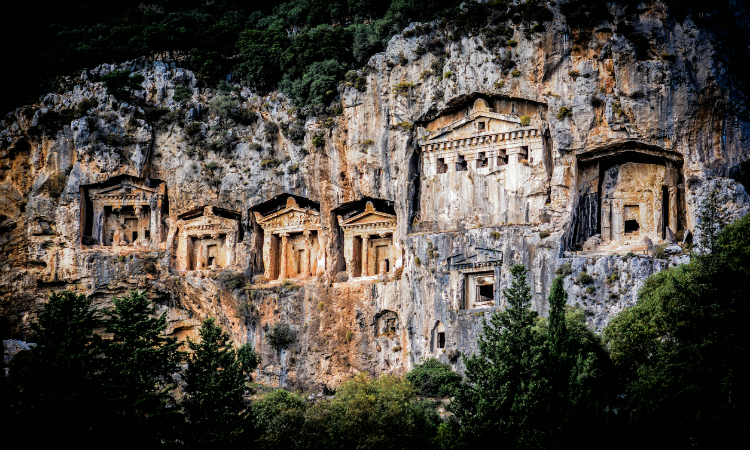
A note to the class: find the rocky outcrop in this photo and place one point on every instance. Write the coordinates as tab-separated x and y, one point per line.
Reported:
579	112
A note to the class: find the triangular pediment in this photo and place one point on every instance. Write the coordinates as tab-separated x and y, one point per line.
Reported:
292	210
125	189
370	215
469	126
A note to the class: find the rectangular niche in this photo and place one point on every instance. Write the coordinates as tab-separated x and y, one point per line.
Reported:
479	290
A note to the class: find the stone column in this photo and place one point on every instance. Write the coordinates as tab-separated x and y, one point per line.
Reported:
98	225
267	253
365	263
155	225
282	265
230	242
673	209
308	252
139	227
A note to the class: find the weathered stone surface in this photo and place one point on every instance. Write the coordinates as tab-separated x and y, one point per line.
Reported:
662	129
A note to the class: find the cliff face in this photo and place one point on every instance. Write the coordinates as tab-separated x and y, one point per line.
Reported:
582	159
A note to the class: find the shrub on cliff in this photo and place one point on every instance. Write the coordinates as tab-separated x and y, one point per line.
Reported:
120	83
434	379
281	336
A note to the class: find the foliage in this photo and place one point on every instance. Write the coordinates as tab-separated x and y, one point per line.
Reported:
281	336
137	378
682	348
214	390
280	419
710	221
507	381
403	88
434	379
534	385
317	85
564	112
525	121
381	413
120	83
318	140
584	278
182	94
193	129
248	358
222	106
58	375
232	280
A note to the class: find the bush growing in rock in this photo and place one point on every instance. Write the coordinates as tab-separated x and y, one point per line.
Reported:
585	279
434	379
281	336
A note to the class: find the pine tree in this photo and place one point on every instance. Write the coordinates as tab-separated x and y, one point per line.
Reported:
215	389
504	401
55	383
137	376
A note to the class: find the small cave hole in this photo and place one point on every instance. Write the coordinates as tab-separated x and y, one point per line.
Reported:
441	340
631	226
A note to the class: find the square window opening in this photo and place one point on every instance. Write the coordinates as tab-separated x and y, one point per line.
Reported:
461	164
442	167
480	126
482	160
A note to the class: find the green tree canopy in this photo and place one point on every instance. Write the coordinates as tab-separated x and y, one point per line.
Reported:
215	389
120	83
683	347
504	399
137	375
56	383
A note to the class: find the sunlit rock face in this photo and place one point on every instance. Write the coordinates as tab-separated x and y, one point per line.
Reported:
387	234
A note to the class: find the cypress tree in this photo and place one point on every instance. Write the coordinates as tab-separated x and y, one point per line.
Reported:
215	389
505	398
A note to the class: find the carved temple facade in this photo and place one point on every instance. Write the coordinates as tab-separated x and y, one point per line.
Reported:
205	239
369	248
126	212
291	247
485	166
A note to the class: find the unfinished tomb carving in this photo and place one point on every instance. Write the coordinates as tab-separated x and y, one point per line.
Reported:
629	199
483	164
125	212
291	246
369	248
205	239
